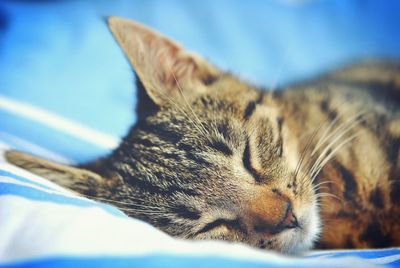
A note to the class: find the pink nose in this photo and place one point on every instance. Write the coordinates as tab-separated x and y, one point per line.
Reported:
289	220
271	213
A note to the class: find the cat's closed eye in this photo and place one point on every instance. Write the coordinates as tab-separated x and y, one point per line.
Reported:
221	146
248	165
218	224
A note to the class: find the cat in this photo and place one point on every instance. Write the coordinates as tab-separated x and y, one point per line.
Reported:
315	164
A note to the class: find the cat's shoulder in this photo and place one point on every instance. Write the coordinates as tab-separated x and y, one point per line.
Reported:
373	72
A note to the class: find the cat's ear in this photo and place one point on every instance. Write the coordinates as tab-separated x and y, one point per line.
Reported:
165	69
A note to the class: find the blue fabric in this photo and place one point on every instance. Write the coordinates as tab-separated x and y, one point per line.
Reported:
48	234
156	260
34	194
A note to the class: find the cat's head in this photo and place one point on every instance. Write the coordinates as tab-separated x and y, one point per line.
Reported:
210	156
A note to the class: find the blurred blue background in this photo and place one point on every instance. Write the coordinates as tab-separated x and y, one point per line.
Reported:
59	55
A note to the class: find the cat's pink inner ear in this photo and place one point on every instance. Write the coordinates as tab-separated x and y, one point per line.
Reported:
165	69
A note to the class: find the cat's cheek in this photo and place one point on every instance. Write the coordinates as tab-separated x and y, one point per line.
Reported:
311	228
315	224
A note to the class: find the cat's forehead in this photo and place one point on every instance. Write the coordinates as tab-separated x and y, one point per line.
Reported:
229	88
226	98
229	111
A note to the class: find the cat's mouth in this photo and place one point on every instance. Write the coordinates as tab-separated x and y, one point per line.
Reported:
300	239
297	235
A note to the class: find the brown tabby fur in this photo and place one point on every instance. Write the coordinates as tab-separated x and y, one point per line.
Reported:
212	157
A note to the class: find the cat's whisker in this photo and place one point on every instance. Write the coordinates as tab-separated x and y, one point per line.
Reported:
143	211
332	154
303	153
326	193
315	132
321	187
215	112
340	131
352	120
180	109
114	202
328	119
204	130
331	124
333	121
324	205
324	139
328	151
325	182
329	202
331	144
137	208
319	195
133	206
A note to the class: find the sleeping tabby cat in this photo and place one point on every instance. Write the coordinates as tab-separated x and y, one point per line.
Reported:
212	157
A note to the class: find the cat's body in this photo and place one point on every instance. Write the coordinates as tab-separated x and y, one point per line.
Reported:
364	175
213	157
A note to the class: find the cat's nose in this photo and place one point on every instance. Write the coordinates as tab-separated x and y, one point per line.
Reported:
289	220
271	214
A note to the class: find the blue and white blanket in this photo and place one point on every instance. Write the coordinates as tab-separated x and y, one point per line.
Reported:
66	94
44	225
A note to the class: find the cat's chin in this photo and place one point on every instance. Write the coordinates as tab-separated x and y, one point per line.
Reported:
297	240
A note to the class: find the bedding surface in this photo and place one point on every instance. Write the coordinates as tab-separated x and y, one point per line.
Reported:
43	225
